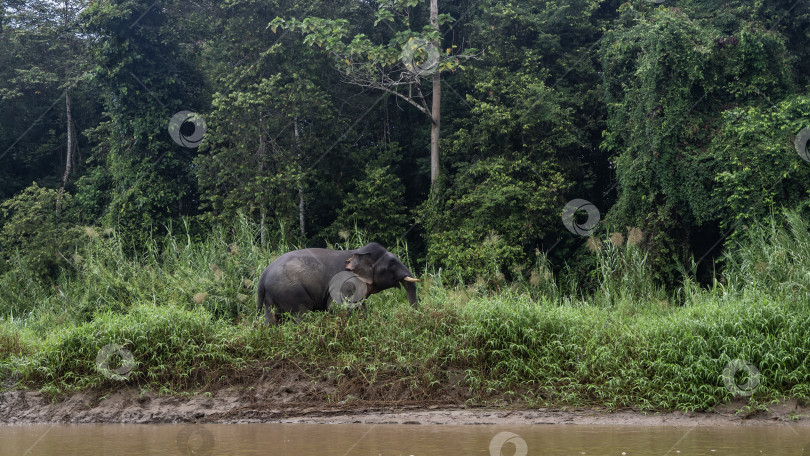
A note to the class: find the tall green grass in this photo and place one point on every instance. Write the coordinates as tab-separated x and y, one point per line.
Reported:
219	269
184	307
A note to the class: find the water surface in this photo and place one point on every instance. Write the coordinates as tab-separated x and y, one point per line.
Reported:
392	439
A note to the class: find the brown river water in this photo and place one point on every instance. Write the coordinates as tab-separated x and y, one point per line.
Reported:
397	439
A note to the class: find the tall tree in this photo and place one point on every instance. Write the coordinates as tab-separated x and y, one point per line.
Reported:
522	140
72	72
670	75
436	98
396	67
44	62
147	70
271	115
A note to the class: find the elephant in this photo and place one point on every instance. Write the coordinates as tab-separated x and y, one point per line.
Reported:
310	279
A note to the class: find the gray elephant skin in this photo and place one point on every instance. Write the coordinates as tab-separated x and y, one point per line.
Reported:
300	281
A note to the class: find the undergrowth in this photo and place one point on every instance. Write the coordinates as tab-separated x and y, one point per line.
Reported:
185	310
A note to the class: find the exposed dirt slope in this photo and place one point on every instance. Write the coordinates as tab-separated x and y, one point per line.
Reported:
296	398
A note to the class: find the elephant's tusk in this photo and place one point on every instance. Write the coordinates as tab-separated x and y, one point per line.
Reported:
411	279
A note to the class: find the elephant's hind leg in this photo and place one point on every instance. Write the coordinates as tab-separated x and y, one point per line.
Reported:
260	297
262	302
270	315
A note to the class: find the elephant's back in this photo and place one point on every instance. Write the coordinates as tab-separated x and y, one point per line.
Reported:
303	262
299	271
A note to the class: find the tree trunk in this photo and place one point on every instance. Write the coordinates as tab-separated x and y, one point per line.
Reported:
435	123
260	160
70	139
437	103
301	212
69	157
301	207
263	227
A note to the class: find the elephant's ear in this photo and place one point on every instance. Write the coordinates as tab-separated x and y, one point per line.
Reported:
362	266
376	251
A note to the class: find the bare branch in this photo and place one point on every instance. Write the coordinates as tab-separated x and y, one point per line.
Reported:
383	81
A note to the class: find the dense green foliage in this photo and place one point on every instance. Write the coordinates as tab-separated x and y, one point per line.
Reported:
677	120
33	237
684	124
670	80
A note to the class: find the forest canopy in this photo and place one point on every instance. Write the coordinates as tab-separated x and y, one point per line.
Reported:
486	138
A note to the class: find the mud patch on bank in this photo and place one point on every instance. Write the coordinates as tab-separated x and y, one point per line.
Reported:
274	391
292	396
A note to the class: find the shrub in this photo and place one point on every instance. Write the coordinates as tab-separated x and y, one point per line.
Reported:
33	236
493	218
375	206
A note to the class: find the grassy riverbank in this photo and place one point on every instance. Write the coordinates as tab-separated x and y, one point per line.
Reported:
185	309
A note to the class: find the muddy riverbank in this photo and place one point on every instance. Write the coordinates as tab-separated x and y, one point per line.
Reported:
250	405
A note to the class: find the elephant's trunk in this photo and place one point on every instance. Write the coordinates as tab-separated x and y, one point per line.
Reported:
410	288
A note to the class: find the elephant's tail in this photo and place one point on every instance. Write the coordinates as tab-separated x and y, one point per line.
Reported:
260	298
